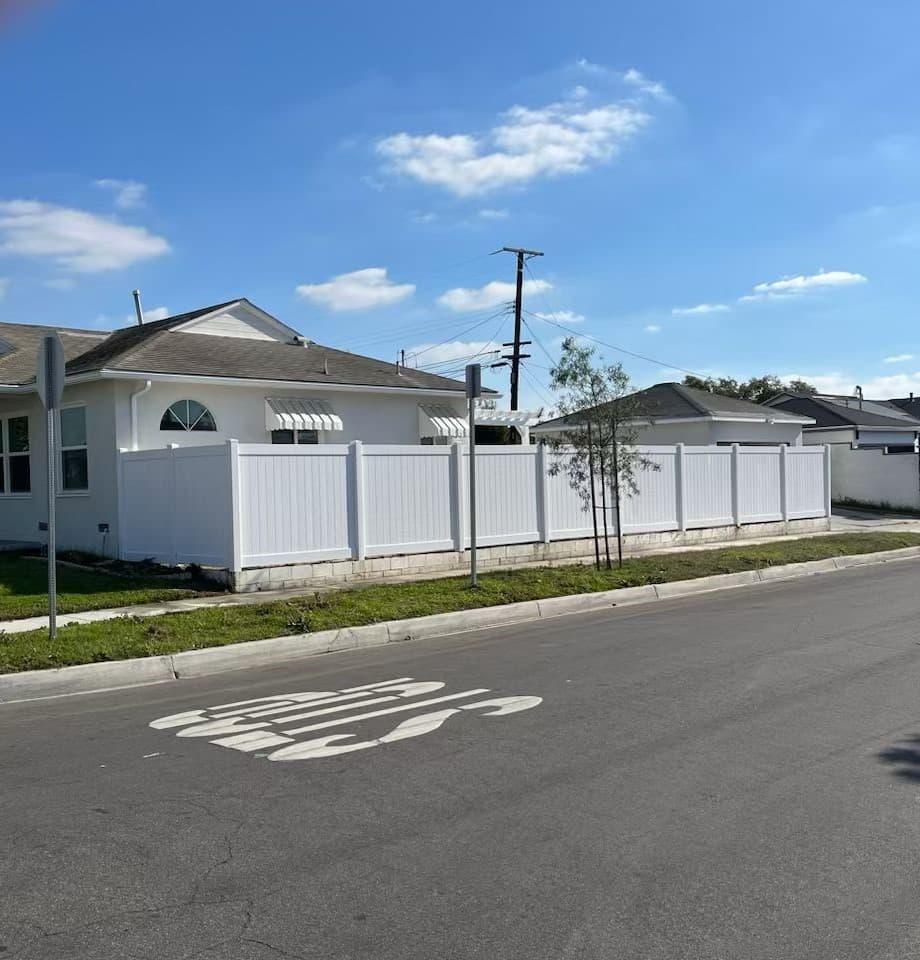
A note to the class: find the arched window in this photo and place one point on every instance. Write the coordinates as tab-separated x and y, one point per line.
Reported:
188	415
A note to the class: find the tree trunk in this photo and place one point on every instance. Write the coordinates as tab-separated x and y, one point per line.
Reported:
616	495
597	545
604	507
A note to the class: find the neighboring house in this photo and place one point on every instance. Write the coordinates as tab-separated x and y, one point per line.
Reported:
228	371
872	443
852	420
674	413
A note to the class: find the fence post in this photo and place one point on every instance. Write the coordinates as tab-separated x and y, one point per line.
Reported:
736	487
543	517
235	551
121	513
679	491
456	496
174	490
357	463
827	479
783	484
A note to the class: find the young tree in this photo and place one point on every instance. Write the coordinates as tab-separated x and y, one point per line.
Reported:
599	405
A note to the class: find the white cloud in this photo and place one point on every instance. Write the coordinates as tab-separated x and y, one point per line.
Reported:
127	193
150	315
642	83
357	290
794	286
874	388
428	355
699	309
561	316
524	145
490	295
653	328
74	239
899	358
489	214
61	283
579	92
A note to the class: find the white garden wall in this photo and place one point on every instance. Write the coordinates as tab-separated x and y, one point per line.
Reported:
873	476
256	505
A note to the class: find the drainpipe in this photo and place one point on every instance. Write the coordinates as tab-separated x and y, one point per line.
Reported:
134	398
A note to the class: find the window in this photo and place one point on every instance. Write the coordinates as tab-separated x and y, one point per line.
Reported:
188	415
74	458
287	436
15	466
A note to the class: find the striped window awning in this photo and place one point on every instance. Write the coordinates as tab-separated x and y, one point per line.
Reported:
435	420
297	413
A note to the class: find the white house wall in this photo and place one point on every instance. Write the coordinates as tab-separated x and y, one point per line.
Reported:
78	514
240	413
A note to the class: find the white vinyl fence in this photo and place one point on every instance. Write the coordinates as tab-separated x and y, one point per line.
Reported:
254	505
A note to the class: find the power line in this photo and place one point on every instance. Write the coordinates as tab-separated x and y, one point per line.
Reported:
456	336
538	341
529	377
610	346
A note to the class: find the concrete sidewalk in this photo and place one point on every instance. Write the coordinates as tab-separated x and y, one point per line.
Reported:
843	521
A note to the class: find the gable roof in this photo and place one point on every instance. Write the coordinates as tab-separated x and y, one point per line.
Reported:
674	401
159	348
909	404
828	411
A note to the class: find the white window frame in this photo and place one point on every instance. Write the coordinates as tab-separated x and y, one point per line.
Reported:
61	492
188	429
6	455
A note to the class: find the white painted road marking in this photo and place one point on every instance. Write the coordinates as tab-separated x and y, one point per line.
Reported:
246	724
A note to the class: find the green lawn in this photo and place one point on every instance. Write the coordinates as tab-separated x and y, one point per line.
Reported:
24	585
138	637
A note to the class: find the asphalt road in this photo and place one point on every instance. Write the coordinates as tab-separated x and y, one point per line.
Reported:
728	776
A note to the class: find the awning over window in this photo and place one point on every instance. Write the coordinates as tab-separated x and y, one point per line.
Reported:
508	418
295	413
435	420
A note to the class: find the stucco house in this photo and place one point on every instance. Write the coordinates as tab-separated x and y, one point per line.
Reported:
873	445
226	371
674	413
853	421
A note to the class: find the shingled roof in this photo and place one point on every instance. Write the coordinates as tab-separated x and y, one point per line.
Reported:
847	411
674	401
158	347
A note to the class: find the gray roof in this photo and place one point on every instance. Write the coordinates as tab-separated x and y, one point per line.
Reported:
21	342
674	401
158	348
847	411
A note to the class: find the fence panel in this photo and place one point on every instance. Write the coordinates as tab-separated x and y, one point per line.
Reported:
407	499
654	507
294	503
506	495
569	518
759	494
805	482
708	486
174	505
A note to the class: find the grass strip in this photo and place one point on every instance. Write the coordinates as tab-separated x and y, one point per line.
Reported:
24	582
216	626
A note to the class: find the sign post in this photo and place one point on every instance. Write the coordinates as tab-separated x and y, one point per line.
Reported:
473	390
49	381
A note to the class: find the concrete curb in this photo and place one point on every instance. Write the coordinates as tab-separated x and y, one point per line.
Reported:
114	675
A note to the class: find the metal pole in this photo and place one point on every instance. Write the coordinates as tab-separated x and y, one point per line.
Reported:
52	472
616	493
597	545
472	431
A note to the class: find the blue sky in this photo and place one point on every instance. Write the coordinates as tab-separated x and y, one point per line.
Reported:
729	188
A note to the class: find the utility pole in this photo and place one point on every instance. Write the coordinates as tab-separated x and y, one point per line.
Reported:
516	356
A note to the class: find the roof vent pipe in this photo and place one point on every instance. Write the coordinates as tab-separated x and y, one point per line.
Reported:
860	395
137	307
